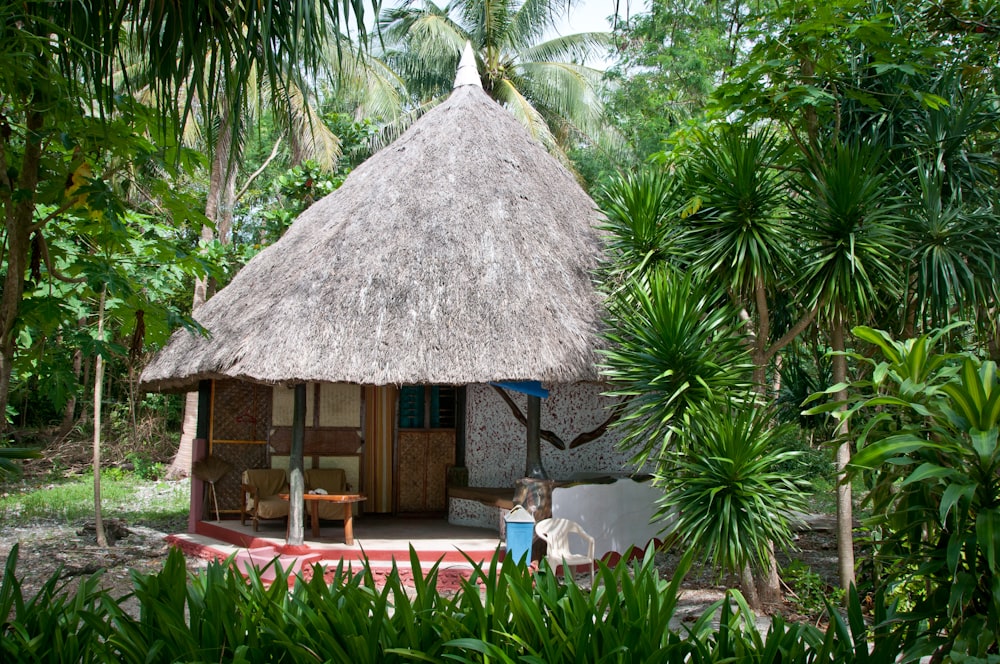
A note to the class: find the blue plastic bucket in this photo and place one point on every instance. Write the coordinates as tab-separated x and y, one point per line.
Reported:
520	535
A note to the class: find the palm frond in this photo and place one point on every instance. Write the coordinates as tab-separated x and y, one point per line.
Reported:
577	48
567	90
517	103
954	251
533	19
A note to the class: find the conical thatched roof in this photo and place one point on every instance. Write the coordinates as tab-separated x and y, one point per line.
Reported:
462	253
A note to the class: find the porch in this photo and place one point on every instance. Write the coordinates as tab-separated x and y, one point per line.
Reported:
380	540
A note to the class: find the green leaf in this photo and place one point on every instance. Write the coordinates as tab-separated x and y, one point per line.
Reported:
951	497
985	444
988	537
928	471
890	447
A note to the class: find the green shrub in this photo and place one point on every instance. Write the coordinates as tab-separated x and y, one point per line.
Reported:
811	593
931	451
144	467
503	613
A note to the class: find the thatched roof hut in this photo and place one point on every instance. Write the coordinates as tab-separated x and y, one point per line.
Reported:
462	253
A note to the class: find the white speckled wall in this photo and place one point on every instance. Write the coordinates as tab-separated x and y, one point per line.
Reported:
495	441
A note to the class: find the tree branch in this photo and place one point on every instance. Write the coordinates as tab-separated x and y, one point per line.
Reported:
43	248
546	435
255	174
791	334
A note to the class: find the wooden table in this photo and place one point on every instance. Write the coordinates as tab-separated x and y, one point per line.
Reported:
347	499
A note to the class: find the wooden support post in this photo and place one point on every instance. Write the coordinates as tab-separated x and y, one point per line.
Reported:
296	479
533	463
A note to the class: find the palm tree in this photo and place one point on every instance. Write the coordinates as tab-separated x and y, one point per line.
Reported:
542	83
58	60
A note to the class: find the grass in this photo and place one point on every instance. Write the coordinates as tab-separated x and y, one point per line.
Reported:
156	504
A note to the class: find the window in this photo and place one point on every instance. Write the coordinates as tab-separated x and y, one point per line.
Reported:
427	407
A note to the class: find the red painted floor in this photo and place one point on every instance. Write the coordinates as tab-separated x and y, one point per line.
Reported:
379	542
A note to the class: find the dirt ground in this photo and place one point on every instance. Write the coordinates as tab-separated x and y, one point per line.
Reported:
71	551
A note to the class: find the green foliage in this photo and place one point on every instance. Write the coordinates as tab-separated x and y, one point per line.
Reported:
808	464
55	625
144	467
8	455
931	447
672	345
811	595
502	614
72	499
740	235
724	494
671	58
640	218
850	228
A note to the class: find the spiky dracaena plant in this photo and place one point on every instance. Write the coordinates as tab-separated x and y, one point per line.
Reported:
671	344
724	494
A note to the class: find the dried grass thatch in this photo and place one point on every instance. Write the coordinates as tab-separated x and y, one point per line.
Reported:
462	253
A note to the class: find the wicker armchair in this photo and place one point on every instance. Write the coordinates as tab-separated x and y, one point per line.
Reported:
260	490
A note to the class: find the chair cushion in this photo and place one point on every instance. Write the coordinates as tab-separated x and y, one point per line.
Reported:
269	481
331	480
272	508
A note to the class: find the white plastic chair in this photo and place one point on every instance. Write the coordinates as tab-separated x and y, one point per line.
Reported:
556	534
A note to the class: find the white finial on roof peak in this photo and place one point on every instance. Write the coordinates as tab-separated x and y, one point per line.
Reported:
467	73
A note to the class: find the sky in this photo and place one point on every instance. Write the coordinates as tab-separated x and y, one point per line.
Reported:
592	16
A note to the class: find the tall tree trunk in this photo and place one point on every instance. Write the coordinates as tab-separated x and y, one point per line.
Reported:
69	411
18	221
748	587
845	516
219	209
102	539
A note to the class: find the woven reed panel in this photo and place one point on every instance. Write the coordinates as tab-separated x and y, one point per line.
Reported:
241	411
424	457
339	405
412	450
440	455
241	457
283	405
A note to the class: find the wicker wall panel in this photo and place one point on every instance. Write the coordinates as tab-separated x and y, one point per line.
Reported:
411	477
241	411
440	455
340	405
424	457
283	405
241	457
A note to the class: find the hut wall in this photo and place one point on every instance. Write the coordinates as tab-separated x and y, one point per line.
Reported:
495	440
238	432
